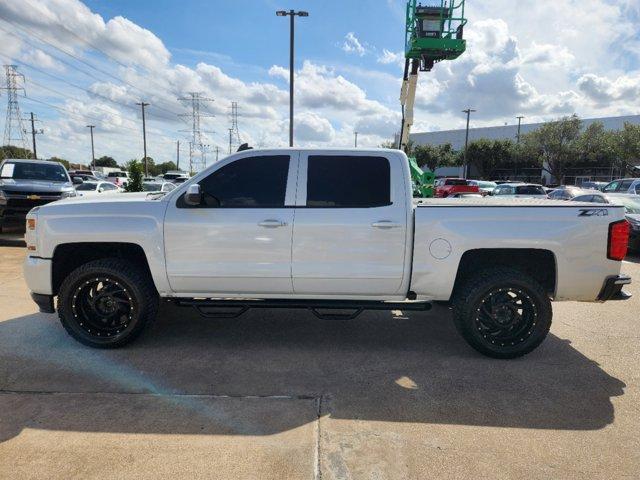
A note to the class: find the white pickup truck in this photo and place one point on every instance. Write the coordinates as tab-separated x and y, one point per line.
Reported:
334	231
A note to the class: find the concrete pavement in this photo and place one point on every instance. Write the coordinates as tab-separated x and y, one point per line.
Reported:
277	394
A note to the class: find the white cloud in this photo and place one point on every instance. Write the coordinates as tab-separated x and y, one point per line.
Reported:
352	44
391	57
604	91
42	60
311	127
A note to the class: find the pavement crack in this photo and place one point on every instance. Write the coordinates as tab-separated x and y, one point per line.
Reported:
318	432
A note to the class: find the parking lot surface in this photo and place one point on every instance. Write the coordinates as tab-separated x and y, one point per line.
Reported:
281	394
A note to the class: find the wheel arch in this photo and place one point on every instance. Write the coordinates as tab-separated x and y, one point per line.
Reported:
540	264
69	256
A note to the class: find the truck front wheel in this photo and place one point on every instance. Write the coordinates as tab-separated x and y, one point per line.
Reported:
502	312
107	303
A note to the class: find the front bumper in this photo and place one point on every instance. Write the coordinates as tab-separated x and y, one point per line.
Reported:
37	274
612	288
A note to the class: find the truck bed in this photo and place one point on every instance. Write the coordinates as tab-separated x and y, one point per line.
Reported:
575	233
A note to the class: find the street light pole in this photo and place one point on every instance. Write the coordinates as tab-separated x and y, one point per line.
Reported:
93	153
468	111
520	117
144	138
355	142
292	14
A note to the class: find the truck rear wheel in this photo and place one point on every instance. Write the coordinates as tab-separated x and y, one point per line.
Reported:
107	303
502	312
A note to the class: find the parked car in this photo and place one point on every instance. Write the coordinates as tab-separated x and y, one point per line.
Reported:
171	175
565	193
179	180
445	187
157	186
631	204
119	179
485	187
83	177
623	185
25	184
241	234
519	190
92	188
594	185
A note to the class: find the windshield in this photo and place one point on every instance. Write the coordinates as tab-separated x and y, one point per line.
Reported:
530	190
53	172
87	186
116	174
482	184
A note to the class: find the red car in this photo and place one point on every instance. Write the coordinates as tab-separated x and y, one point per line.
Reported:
446	187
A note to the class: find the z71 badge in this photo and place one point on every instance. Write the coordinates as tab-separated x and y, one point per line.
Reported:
593	212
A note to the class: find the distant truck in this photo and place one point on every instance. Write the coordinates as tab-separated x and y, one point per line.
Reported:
446	187
25	184
332	231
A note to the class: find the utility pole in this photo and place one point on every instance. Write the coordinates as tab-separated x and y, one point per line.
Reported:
355	143
217	151
34	132
230	137
292	14
14	130
468	111
93	153
178	155
144	138
520	117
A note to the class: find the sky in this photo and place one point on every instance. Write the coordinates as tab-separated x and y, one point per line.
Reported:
91	62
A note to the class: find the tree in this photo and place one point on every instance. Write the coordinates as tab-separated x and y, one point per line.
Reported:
106	161
434	156
64	162
629	144
162	168
135	176
556	144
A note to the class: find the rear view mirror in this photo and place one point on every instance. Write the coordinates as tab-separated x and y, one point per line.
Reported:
193	196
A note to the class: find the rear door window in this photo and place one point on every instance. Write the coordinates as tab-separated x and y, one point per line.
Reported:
624	185
343	181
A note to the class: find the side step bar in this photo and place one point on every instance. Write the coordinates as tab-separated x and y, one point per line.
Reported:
323	309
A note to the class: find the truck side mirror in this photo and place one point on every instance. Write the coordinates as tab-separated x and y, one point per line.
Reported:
193	196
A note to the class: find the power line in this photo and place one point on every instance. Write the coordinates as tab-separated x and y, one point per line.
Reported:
110	112
75	57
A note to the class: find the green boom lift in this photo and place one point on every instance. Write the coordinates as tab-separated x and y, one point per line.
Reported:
433	33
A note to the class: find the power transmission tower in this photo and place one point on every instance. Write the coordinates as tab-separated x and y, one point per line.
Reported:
194	100
234	132
14	130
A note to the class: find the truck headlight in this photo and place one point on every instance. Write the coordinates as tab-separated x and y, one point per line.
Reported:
67	194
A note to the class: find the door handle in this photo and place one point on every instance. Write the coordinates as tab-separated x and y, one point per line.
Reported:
271	223
385	224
